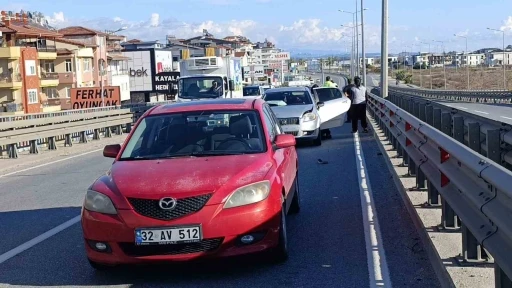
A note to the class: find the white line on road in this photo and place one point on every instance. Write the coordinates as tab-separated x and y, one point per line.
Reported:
464	108
27	245
481	112
50	163
505	117
376	256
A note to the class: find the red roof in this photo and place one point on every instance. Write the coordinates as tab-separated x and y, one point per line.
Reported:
74	42
5	29
22	29
79	31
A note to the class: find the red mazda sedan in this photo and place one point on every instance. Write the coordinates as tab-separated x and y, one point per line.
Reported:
212	178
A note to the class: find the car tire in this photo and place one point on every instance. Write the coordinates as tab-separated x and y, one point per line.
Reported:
295	206
280	253
99	267
318	140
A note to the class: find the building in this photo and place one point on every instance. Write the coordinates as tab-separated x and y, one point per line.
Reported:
27	55
117	69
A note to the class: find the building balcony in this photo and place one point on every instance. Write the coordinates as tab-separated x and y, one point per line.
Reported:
49	79
11	81
10	52
47	52
67	78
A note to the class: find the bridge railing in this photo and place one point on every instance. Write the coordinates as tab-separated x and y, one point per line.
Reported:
474	191
478	96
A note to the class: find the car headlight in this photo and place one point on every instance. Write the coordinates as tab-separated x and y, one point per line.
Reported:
98	202
309	117
249	194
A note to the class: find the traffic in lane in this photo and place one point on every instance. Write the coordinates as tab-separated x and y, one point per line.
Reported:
327	242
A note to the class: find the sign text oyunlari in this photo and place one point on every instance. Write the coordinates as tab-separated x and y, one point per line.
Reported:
91	97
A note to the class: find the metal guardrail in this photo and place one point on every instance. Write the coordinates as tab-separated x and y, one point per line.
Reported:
474	192
48	128
490	138
478	96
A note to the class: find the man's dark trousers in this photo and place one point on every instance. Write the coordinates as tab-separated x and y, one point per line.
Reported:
358	113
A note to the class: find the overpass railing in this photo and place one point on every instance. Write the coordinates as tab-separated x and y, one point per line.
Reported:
474	191
478	96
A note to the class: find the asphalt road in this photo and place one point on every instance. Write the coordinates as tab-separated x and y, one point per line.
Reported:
327	238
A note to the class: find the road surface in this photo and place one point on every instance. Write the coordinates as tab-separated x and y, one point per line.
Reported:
328	245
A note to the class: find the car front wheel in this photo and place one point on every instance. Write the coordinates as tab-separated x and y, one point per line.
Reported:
280	253
318	140
295	206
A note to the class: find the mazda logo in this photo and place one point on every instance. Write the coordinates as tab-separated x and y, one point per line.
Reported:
167	203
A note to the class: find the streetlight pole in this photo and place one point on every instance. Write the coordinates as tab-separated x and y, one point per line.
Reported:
356	35
444	67
467	55
352	53
362	43
503	62
384	51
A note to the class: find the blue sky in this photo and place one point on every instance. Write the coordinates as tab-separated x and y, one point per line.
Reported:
291	25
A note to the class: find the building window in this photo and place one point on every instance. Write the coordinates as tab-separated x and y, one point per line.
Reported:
32	96
69	65
30	67
49	66
87	65
68	92
51	93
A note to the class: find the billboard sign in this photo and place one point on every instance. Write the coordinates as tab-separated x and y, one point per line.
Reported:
163	61
140	69
91	97
281	56
254	70
164	80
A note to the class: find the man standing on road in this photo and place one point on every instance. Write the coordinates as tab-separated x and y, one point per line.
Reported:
347	90
359	96
329	83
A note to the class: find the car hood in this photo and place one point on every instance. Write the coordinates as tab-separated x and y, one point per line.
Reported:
291	111
185	177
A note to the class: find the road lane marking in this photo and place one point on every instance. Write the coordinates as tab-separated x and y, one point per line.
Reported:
31	243
464	108
505	117
376	256
481	112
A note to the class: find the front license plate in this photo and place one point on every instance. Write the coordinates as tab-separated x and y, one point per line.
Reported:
289	129
168	235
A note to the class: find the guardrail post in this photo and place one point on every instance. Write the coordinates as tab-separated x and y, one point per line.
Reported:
52	144
429	115
96	135
446	123
474	136
472	250
412	168
108	132
128	127
449	218
405	159
34	148
434	199
436	122
119	130
68	141
12	150
493	145
458	128
83	137
501	280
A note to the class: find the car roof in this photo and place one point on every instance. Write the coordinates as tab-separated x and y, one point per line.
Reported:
252	86
213	104
285	89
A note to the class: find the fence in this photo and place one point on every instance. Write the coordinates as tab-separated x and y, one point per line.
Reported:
478	96
473	191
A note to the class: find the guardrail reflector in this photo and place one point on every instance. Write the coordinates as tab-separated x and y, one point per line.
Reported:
444	180
391	113
444	155
391	124
407	126
407	142
381	114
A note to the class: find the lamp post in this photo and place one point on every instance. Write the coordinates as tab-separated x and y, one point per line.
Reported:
352	52
384	51
467	55
444	67
362	43
356	34
503	62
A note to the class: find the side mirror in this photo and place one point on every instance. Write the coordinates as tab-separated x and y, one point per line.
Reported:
111	151
320	104
231	85
284	141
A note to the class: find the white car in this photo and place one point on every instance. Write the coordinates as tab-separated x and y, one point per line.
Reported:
302	114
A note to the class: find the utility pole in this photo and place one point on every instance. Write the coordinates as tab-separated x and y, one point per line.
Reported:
362	43
384	51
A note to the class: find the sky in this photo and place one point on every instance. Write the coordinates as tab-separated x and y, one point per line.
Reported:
293	25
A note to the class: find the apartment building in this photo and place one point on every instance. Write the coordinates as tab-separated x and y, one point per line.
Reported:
117	69
27	51
498	58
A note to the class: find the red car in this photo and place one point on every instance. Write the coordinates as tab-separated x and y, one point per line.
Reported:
209	178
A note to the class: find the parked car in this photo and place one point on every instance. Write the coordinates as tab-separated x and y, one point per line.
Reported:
302	114
210	178
253	91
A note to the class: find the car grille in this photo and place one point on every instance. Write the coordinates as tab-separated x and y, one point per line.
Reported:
289	121
294	133
205	245
184	206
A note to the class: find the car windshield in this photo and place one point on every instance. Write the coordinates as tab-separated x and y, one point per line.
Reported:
200	87
195	134
251	91
328	94
286	98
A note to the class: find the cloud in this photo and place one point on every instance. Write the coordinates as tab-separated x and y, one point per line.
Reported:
303	33
507	26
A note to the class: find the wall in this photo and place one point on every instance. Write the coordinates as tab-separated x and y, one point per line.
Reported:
123	81
30	82
140	70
